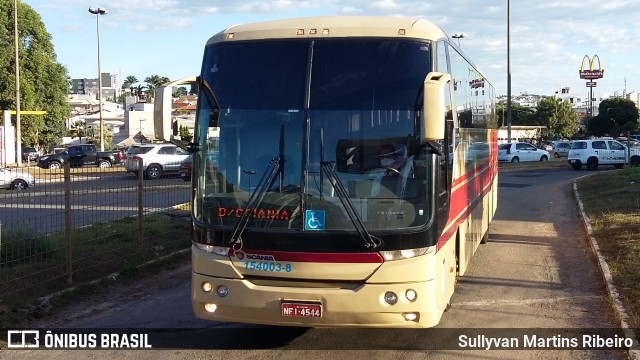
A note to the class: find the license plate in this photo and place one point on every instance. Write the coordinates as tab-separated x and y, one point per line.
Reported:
301	309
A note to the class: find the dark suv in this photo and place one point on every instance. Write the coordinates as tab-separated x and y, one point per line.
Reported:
29	154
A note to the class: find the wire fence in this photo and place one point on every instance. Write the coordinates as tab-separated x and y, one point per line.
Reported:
80	224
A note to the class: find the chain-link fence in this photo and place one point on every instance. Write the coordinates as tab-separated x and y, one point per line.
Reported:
80	224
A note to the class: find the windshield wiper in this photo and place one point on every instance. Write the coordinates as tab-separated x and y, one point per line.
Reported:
370	241
266	181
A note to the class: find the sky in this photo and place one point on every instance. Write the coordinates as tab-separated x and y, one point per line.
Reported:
549	38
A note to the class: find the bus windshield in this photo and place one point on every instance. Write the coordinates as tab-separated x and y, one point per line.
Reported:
328	114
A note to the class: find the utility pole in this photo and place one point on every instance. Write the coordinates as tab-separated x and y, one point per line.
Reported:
16	43
509	71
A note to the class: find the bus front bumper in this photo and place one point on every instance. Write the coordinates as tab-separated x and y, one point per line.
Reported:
353	305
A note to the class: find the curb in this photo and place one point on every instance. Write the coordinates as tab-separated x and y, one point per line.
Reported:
619	309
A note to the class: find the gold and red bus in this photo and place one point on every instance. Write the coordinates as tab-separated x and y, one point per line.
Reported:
297	219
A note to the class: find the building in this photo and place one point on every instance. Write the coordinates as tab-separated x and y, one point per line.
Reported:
520	133
110	88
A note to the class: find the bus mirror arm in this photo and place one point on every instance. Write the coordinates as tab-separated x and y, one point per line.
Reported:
434	148
434	105
191	147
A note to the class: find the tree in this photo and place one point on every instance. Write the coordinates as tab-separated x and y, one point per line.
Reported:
43	81
78	130
153	82
93	135
180	91
184	133
129	81
558	116
615	115
520	115
139	91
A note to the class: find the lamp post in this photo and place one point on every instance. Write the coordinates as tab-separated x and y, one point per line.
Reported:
99	11
459	36
509	71
16	42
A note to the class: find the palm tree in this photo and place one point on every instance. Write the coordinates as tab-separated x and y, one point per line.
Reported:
140	91
129	81
153	82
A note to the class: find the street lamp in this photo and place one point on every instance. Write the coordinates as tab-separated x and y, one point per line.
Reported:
459	36
509	71
99	11
17	70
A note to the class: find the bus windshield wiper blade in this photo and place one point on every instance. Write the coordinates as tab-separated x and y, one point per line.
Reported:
370	241
266	181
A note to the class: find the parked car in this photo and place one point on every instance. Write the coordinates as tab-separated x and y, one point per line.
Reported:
561	150
79	155
185	168
29	154
521	151
593	153
157	159
16	179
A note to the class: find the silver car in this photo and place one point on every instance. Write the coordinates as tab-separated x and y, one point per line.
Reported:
562	150
13	179
157	159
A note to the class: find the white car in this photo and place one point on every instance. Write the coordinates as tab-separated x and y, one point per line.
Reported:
157	159
521	151
15	179
593	153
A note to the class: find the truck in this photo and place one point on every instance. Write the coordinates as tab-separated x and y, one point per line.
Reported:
81	155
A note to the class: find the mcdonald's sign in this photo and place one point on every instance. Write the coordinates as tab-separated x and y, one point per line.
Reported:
591	73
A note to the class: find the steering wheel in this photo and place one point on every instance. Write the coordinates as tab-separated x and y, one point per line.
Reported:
388	168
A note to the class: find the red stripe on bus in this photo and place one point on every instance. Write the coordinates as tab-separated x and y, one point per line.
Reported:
479	182
359	258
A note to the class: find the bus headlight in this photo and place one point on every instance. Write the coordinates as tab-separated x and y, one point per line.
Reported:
390	297
392	255
222	291
210	307
206	286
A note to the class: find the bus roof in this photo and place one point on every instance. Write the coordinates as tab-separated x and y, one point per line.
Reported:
332	26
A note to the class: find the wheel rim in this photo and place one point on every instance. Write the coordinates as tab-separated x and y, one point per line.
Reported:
54	166
104	164
154	172
19	185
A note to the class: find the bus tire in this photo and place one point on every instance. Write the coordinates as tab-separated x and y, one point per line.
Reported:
485	237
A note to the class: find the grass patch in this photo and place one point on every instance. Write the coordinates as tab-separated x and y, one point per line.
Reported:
33	266
612	203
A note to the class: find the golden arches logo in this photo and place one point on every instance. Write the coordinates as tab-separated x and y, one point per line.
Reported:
591	73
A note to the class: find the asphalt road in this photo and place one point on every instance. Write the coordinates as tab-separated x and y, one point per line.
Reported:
94	199
536	272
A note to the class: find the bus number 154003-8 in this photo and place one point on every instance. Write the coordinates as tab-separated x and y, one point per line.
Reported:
267	266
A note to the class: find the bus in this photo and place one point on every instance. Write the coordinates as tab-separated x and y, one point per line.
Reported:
297	221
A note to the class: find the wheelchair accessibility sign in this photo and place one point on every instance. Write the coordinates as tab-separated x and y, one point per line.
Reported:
314	220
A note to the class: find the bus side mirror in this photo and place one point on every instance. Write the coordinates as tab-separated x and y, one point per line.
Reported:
163	124
434	105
